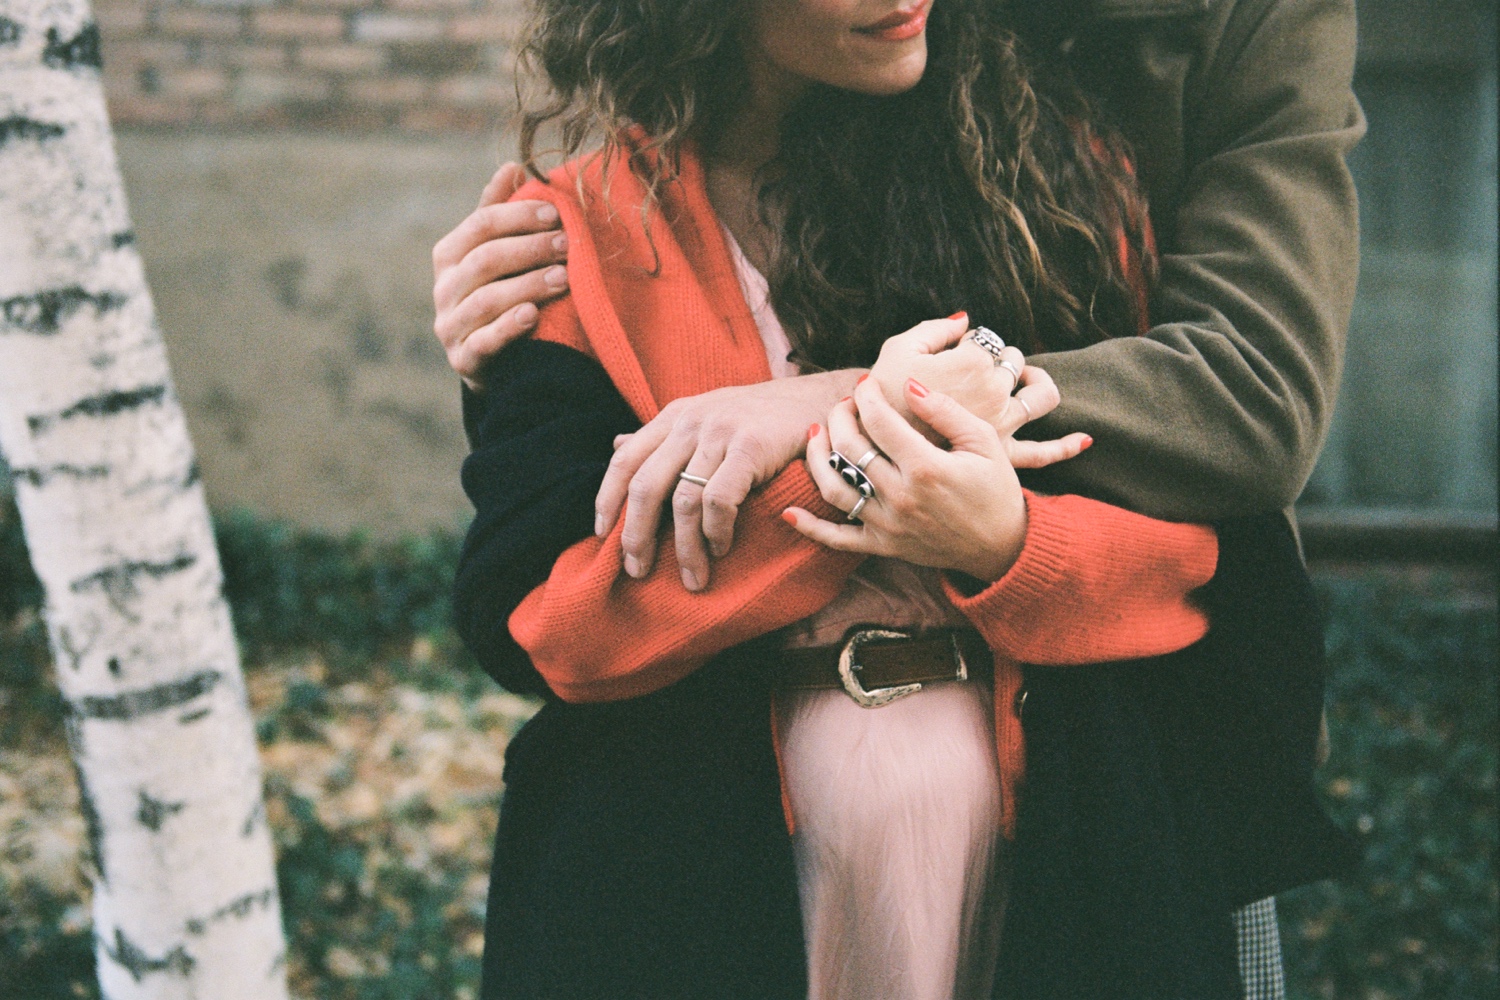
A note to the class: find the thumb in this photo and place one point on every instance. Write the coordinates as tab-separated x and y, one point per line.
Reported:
505	182
962	429
934	336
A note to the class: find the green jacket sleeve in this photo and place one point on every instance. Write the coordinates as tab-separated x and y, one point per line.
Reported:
1222	407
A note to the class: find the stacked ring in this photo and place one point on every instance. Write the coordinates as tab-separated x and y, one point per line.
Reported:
990	341
688	477
853	474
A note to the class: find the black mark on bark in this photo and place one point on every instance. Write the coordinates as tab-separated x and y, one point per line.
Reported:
193	716
125	239
104	405
69	53
114	666
128	955
19	127
10	31
46	311
152	813
134	704
91	824
238	908
254	820
194	474
41	476
119	581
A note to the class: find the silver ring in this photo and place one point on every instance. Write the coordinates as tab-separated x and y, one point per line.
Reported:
990	341
869	456
688	477
1010	366
851	474
1025	406
859	505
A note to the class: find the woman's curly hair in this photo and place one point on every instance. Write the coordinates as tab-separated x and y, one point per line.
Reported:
990	186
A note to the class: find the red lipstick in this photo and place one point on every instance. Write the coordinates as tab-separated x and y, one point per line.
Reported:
907	22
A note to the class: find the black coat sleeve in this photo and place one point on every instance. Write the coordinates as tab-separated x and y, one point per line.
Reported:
542	436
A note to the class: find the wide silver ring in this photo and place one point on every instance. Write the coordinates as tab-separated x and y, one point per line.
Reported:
688	477
990	341
851	474
859	505
869	456
1010	366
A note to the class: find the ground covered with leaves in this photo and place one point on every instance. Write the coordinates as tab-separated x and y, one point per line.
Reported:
382	749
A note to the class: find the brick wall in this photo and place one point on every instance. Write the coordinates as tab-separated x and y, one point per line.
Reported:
408	65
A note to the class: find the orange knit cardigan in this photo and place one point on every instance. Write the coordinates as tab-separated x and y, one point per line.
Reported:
665	316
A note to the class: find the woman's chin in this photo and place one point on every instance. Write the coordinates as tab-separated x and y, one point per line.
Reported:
890	78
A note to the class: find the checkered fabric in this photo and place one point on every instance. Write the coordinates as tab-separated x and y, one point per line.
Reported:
1260	951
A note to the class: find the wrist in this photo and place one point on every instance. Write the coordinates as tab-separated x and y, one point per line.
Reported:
992	561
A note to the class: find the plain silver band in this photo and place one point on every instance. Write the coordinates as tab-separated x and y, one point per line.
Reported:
1010	366
870	456
688	477
859	505
1025	406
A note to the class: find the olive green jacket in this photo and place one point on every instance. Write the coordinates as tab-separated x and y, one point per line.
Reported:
1241	114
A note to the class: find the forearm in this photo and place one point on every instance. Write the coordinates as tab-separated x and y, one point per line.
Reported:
1221	408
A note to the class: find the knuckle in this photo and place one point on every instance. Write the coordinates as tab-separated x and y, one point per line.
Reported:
683	503
718	501
639	492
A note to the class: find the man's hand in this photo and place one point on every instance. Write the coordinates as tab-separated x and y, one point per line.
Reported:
492	271
736	438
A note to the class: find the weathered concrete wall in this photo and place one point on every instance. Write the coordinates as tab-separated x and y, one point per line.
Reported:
292	275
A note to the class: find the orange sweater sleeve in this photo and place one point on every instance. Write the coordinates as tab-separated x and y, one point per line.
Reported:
596	634
1094	583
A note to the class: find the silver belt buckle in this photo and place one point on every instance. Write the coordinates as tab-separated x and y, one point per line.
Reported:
849	669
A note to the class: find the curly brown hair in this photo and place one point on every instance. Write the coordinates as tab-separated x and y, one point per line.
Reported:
990	186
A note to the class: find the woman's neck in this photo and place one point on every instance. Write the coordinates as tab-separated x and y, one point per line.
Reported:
746	144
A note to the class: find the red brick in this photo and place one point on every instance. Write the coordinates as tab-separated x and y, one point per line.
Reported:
187	22
259	90
476	91
137	110
341	58
243	55
117	19
396	28
129	55
486	28
388	90
297	25
193	82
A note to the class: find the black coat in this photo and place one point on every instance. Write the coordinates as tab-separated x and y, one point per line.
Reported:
642	850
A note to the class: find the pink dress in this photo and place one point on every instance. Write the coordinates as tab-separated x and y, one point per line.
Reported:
900	863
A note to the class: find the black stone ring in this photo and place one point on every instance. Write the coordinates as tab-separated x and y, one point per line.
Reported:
852	474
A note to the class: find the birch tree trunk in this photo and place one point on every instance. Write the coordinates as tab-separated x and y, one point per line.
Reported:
185	901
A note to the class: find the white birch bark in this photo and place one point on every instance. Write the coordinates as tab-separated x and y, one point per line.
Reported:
185	901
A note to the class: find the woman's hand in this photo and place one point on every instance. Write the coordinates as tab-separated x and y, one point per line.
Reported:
492	271
960	509
939	357
736	438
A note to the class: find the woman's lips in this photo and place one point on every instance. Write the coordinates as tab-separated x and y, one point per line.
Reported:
908	22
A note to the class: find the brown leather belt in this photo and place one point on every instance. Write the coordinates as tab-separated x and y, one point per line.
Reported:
876	665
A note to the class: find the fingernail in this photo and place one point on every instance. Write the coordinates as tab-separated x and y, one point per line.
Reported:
1087	442
812	431
789	518
861	378
556	277
632	566
525	315
599	525
959	315
560	242
547	214
916	388
689	579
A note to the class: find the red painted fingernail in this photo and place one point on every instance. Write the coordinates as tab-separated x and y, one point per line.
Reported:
812	431
916	388
861	378
961	314
1087	442
846	399
789	518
